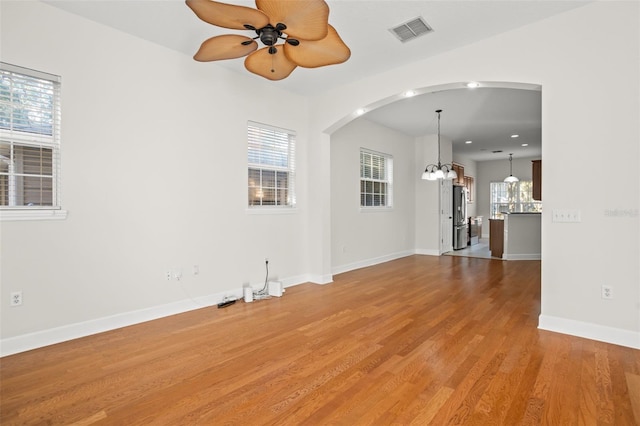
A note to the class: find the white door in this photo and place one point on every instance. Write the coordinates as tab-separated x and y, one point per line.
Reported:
446	216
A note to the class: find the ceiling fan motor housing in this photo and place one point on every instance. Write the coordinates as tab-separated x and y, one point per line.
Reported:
269	35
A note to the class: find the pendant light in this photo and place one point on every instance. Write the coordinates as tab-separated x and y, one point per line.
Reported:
439	171
511	178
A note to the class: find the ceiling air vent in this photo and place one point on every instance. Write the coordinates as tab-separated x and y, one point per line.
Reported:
411	29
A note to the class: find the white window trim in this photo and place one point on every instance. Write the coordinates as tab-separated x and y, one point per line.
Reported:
389	180
375	209
33	214
272	210
281	208
20	213
517	202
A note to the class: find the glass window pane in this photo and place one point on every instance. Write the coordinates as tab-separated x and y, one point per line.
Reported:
269	197
254	178
268	179
369	187
368	200
374	182
4	190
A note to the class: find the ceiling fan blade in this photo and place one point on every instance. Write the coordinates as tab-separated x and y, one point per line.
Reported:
228	15
307	19
227	46
272	67
312	54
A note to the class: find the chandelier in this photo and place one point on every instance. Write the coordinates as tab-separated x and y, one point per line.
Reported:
439	171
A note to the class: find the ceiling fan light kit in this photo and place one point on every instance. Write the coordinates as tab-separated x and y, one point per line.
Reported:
439	171
294	33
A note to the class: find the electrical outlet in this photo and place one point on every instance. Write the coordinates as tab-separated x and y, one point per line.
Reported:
168	275
607	292
196	270
16	298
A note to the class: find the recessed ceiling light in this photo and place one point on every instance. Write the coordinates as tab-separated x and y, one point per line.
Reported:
515	136
409	93
525	144
468	142
360	111
473	84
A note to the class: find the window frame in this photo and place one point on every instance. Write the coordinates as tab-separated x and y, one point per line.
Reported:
517	201
13	138
267	160
387	180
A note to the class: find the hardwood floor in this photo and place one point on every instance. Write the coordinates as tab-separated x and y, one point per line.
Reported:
420	340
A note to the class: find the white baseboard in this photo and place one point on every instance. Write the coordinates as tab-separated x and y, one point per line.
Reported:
38	339
320	279
534	256
428	252
370	262
601	333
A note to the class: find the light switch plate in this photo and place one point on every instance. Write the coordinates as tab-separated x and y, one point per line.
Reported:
566	215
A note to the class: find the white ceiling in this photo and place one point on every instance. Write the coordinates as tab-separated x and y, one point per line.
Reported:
487	117
482	115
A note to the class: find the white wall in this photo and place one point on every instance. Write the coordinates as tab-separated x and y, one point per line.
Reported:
109	256
590	115
428	208
361	236
154	176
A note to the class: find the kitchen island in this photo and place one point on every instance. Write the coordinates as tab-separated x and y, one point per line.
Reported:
522	236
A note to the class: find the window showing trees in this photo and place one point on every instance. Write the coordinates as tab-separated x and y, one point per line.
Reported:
516	197
29	138
376	179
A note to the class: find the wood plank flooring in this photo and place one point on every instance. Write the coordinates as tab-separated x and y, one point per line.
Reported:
417	341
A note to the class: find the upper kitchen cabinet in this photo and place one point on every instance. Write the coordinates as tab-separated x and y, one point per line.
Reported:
536	175
459	169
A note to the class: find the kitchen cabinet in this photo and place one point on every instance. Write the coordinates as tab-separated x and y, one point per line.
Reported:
536	175
496	237
459	169
469	184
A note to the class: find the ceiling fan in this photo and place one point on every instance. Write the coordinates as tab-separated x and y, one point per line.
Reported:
302	26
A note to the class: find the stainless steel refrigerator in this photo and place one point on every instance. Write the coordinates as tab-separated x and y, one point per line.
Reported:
460	230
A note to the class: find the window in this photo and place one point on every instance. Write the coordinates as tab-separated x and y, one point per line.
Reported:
516	197
271	159
29	140
376	179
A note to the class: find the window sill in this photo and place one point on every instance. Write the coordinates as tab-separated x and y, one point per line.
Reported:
272	210
375	209
15	215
